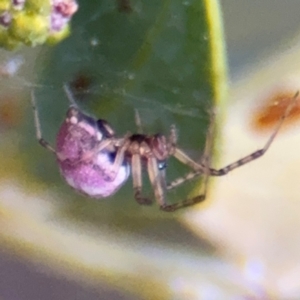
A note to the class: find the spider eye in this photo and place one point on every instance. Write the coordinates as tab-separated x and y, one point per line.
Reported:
162	165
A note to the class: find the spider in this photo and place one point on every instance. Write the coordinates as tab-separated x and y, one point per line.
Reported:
95	162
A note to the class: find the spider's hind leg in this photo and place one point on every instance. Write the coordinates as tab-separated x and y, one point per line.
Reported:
245	160
183	204
258	153
194	200
203	168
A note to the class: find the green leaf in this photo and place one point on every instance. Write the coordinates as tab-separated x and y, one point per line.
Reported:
163	58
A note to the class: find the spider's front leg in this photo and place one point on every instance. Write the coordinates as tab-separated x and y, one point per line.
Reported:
202	169
136	168
173	150
230	167
37	124
199	169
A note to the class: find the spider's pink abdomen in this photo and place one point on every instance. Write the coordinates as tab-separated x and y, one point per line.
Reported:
67	146
84	167
89	179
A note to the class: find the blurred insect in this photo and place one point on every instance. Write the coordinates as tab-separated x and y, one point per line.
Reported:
97	163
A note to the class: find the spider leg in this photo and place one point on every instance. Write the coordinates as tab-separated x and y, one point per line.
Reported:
180	155
173	136
136	167
37	124
137	180
69	95
180	180
199	168
254	155
185	203
205	160
89	155
104	144
183	158
186	160
205	163
112	172
138	121
156	181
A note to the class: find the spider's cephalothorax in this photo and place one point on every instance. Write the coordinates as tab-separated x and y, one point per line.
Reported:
150	145
97	163
150	152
